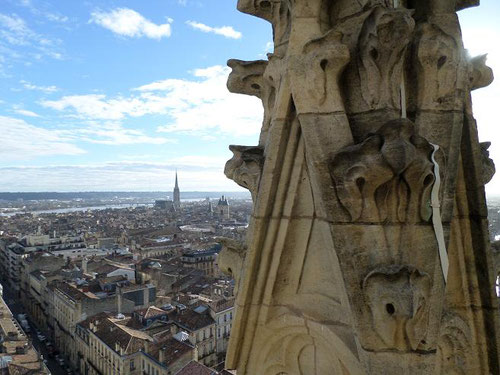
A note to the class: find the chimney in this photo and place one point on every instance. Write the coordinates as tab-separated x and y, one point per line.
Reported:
85	262
119	299
161	354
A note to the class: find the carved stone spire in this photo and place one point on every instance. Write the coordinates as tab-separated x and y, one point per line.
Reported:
367	251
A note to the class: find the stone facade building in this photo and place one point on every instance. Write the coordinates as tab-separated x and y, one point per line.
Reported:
204	260
198	327
222	311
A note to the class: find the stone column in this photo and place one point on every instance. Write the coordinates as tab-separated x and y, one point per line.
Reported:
368	251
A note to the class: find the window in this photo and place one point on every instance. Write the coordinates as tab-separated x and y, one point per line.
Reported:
132	365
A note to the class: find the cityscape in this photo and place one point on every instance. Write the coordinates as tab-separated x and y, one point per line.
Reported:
114	285
249	187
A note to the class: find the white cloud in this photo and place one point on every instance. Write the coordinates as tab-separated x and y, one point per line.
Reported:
55	17
200	172
92	106
25	112
21	140
46	89
226	31
113	133
14	30
201	106
127	22
18	42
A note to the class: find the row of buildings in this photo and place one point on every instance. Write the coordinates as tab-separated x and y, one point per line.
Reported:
116	312
135	290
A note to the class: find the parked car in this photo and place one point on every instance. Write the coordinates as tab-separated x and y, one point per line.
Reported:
60	360
41	338
50	349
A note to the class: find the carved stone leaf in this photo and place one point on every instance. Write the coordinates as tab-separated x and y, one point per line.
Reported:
438	60
386	177
315	74
382	44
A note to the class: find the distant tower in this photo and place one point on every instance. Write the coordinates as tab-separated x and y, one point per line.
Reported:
177	194
223	208
210	207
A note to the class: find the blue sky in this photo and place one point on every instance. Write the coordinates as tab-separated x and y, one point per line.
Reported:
116	95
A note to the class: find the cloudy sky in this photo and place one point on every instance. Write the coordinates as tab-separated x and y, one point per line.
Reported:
117	94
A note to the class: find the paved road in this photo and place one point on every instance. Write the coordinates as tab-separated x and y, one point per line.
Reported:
16	308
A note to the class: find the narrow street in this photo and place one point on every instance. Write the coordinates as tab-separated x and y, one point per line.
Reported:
40	347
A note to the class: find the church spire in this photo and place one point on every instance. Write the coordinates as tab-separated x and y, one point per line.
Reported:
177	193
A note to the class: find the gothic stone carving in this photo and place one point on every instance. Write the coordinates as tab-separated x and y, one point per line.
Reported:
245	167
388	177
246	77
440	67
258	78
455	350
342	271
398	299
314	84
481	75
382	45
231	258
488	170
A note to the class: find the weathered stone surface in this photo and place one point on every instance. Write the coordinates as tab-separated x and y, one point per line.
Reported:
245	168
382	44
488	170
398	298
481	74
231	258
368	249
386	178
